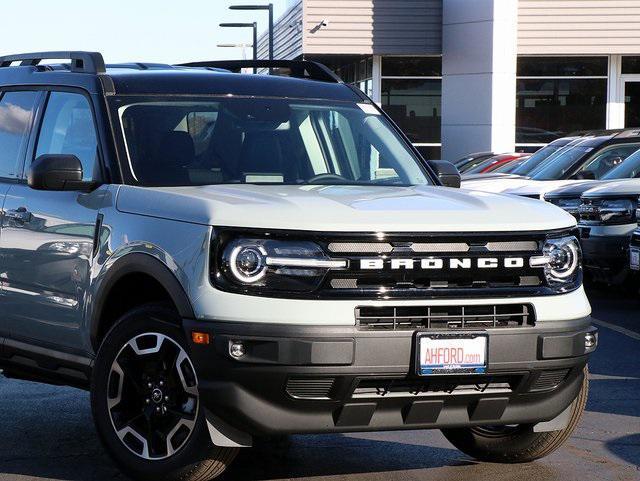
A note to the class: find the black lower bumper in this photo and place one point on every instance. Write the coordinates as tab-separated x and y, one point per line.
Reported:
296	379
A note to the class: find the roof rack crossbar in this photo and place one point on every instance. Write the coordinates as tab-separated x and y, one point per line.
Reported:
306	69
84	62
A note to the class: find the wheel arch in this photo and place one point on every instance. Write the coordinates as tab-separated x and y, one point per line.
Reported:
135	264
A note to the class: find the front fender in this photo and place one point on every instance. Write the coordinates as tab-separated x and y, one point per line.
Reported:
144	259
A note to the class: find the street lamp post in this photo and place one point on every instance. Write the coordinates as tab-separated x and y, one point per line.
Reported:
253	25
261	7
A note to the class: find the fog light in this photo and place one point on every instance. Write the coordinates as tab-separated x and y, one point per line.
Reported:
236	349
590	340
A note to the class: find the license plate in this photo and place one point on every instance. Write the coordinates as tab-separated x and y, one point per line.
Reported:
634	259
451	354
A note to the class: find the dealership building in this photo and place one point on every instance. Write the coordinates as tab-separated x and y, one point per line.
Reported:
474	75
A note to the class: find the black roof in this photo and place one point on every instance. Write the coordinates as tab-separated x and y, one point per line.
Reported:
309	80
199	81
595	141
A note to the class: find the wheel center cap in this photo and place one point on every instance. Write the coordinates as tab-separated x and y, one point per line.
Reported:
156	395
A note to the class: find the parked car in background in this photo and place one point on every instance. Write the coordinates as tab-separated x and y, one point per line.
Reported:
608	217
568	197
471	160
543	154
509	167
588	159
495	162
521	172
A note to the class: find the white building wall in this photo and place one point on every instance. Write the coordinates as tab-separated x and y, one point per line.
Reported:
478	76
578	27
365	27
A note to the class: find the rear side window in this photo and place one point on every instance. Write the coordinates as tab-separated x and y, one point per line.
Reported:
68	128
16	116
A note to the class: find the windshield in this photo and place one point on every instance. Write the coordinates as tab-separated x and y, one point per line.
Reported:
509	167
230	140
606	160
557	166
629	169
489	164
537	158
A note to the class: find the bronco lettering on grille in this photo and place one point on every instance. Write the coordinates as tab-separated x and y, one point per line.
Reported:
439	263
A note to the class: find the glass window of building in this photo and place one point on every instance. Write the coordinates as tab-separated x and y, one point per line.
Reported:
559	95
411	93
630	65
358	73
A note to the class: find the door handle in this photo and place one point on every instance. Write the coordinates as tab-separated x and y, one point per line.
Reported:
21	214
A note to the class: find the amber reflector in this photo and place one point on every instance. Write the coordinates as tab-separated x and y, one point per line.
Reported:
200	337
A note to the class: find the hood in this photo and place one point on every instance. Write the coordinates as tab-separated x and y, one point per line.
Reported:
490	175
616	188
343	208
495	184
576	190
539	188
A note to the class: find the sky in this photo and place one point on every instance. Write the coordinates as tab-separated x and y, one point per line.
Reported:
132	30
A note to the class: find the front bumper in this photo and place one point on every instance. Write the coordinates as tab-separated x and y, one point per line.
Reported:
296	379
605	251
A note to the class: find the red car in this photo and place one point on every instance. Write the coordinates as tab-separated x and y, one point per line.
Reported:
496	162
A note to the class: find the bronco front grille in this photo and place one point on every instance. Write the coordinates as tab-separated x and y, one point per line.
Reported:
394	265
399	265
445	317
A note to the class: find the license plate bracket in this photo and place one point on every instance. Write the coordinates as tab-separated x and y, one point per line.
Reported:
451	353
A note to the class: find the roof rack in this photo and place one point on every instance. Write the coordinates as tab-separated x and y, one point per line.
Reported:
140	66
84	62
305	69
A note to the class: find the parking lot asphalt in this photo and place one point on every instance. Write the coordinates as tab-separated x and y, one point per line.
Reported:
47	433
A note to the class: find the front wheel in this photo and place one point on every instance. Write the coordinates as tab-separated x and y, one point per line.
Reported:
146	405
516	443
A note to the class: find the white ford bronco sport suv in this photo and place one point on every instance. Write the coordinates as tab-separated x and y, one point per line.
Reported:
221	257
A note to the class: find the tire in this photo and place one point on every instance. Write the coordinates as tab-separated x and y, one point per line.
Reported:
518	443
145	401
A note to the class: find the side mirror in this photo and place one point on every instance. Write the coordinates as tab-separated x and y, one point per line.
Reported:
56	172
446	172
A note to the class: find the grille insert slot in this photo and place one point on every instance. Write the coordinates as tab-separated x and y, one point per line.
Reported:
440	247
548	380
310	388
512	246
360	247
445	317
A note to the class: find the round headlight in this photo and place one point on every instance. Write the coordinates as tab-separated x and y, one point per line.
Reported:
564	255
247	263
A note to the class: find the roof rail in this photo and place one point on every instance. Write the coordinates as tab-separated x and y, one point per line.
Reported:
140	66
84	62
305	69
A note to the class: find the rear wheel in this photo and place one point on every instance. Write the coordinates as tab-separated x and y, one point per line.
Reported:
145	401
516	443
